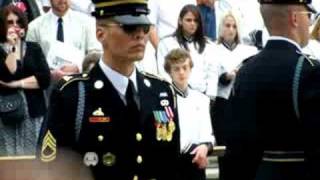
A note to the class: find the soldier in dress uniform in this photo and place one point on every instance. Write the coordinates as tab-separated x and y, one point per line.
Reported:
121	121
272	117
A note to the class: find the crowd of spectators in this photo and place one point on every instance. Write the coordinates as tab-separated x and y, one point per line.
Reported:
218	34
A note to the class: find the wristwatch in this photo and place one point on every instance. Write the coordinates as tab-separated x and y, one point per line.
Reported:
12	49
9	49
209	146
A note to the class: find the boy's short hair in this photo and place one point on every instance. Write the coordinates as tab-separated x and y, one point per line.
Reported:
176	56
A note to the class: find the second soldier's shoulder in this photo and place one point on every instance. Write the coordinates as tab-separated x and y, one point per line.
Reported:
246	62
70	81
311	60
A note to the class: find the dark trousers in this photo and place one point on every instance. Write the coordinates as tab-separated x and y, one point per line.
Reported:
281	171
189	170
217	113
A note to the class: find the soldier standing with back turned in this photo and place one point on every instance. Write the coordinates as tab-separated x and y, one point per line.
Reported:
272	119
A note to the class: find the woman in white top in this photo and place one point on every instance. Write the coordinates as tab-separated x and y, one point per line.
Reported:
231	54
313	47
196	139
189	36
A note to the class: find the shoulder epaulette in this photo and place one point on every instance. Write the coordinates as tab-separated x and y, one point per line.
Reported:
245	61
66	80
308	57
153	76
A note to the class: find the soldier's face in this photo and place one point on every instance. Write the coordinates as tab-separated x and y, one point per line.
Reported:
124	45
303	22
229	31
180	73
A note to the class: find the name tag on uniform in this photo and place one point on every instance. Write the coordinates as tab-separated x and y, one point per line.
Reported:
99	119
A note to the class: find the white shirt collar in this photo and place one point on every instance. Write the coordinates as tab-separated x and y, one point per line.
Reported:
285	39
55	17
119	81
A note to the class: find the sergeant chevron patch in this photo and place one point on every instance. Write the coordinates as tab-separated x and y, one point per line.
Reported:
49	148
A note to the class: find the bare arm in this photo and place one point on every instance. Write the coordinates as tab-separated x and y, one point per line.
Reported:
12	41
25	83
154	39
11	62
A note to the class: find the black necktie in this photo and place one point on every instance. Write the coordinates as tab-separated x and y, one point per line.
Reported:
60	30
131	104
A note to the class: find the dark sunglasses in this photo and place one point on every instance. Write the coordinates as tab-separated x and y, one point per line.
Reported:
130	29
11	22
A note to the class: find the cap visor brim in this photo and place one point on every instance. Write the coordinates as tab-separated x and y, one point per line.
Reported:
311	8
131	19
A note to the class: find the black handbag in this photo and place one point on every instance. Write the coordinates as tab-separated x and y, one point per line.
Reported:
12	109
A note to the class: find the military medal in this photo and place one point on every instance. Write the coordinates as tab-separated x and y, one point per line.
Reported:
90	159
171	126
164	132
165	120
169	112
164	102
169	136
157	124
108	159
158	132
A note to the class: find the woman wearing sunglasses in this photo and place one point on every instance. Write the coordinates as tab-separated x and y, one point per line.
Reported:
23	69
189	36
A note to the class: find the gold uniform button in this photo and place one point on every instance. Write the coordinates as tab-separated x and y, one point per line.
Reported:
138	137
139	159
109	159
135	177
100	138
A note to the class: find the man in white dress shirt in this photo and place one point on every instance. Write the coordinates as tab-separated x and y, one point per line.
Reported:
85	6
78	32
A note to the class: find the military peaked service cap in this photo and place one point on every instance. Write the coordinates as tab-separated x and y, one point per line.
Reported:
307	3
127	12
